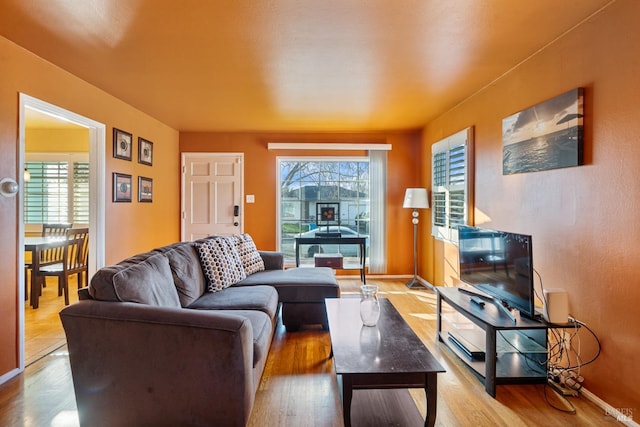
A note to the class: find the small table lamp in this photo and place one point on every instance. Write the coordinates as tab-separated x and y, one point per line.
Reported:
415	198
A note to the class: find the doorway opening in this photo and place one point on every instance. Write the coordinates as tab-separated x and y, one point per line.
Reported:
32	109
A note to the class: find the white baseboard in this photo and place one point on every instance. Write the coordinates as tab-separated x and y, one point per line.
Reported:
622	415
12	373
390	276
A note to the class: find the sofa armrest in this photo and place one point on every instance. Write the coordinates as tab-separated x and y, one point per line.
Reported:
145	365
272	260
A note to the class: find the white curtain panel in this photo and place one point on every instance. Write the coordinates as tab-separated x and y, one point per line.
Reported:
378	214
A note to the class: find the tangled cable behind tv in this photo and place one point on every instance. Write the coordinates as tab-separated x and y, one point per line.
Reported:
565	359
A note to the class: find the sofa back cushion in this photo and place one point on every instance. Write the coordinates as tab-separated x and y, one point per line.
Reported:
187	272
220	262
144	278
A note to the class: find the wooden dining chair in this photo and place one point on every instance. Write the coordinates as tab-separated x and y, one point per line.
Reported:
53	256
74	261
48	256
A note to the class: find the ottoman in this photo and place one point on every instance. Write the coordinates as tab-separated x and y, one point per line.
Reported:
301	292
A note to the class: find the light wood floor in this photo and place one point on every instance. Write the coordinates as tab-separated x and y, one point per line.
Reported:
298	387
43	331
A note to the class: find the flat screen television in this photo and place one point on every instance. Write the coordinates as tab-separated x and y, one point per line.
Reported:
500	264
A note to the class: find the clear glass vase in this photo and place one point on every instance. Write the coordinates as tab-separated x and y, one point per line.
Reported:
369	305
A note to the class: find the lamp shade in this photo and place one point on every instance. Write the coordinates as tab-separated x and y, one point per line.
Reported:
416	198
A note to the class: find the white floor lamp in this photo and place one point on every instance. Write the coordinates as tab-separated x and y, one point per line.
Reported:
415	198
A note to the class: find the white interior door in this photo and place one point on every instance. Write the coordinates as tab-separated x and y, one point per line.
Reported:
212	194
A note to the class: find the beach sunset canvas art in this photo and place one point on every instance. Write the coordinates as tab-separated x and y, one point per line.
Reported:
545	136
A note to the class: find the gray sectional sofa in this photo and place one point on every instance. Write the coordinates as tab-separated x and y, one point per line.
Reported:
150	344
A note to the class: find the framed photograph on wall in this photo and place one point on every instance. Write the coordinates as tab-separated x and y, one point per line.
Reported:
145	151
145	189
122	144
121	187
546	136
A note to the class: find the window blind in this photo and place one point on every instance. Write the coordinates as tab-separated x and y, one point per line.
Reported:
450	184
57	193
81	193
46	197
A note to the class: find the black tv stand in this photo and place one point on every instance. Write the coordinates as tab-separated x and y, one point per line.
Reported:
514	352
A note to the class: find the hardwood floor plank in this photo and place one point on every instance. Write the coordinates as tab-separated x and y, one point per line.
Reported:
298	387
42	396
43	331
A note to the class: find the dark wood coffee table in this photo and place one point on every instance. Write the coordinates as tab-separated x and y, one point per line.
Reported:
388	355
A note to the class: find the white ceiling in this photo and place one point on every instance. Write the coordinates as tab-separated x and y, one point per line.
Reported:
283	65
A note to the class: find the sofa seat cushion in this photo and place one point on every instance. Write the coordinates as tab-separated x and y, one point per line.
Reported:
261	298
147	281
297	284
262	328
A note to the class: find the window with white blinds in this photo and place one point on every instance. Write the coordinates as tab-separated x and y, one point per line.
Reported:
57	191
80	193
450	185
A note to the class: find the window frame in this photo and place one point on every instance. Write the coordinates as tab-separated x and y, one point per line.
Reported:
279	161
443	223
70	158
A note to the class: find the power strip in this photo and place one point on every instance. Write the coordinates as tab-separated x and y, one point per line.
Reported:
561	389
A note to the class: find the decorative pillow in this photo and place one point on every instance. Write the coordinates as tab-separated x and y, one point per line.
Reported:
220	263
251	260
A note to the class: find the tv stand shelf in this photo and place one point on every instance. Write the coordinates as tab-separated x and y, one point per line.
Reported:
497	349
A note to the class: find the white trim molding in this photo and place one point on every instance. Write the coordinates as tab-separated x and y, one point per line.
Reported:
97	190
326	146
622	415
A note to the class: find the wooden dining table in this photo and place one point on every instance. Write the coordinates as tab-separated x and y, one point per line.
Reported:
36	245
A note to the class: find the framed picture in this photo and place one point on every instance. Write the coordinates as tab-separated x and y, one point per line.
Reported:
546	136
145	151
122	144
327	214
145	189
121	187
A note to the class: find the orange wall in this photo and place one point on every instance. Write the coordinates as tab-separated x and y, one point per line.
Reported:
260	179
583	219
130	227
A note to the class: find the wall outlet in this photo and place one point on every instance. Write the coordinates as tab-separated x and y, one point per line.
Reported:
251	198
